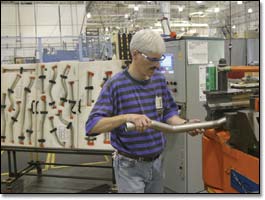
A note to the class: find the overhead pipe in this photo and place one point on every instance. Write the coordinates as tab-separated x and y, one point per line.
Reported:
166	128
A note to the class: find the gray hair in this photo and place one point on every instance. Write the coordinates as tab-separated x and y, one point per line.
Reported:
147	41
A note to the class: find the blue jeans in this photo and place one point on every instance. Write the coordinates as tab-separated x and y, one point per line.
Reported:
134	176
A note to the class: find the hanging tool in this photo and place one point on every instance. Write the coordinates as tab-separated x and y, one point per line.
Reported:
42	77
27	90
63	78
52	82
14	119
72	102
68	125
3	118
11	91
54	130
89	88
43	113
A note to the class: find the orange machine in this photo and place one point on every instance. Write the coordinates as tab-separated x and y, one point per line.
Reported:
231	153
222	163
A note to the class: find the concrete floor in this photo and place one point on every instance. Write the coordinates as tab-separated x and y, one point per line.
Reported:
34	184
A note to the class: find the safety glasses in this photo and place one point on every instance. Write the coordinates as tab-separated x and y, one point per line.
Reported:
153	59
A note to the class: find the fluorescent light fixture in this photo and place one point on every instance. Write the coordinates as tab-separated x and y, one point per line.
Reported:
136	8
198	2
126	16
180	8
216	10
234	26
250	10
185	24
200	13
239	2
106	29
88	15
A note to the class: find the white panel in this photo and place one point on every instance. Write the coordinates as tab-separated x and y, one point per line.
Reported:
98	68
19	128
64	135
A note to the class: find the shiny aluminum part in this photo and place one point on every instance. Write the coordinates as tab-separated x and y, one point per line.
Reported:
166	128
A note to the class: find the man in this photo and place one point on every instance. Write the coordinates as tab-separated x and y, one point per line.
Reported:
138	95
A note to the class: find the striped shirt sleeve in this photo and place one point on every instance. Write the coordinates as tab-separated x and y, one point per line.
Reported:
170	107
102	108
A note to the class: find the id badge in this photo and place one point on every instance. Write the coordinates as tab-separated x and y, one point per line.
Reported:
159	105
159	102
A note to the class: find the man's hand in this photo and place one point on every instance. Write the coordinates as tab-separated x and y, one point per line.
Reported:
142	122
196	131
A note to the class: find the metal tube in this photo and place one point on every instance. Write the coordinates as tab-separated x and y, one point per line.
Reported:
65	91
55	132
3	118
51	84
23	113
11	90
13	120
180	128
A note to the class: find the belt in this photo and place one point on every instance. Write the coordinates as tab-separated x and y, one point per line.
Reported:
139	158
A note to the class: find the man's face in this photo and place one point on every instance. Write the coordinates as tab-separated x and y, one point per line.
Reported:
147	63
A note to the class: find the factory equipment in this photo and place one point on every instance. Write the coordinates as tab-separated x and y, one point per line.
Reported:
231	154
185	71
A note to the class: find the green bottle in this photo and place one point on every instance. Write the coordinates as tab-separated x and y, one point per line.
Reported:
210	77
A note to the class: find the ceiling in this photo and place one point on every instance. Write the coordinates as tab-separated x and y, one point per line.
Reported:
111	14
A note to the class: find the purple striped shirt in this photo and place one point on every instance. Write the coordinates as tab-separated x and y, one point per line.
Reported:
123	95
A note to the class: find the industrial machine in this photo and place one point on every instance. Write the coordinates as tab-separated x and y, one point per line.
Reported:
230	144
231	153
185	72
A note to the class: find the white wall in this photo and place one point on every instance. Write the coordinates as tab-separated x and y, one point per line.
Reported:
47	20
